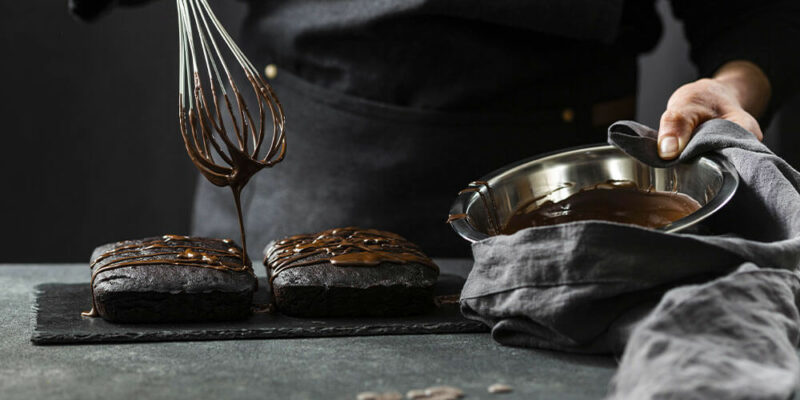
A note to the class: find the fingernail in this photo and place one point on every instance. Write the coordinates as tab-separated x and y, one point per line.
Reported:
668	146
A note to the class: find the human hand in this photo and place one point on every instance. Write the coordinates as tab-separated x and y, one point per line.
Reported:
738	92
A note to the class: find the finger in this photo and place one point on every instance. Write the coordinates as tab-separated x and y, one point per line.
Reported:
674	131
746	121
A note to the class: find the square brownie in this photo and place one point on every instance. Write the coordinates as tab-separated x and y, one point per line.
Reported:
350	272
171	278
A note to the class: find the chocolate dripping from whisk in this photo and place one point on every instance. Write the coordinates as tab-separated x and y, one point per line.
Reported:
199	125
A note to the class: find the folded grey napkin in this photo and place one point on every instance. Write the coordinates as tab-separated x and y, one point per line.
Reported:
697	316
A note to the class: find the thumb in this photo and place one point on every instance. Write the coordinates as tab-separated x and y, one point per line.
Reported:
674	132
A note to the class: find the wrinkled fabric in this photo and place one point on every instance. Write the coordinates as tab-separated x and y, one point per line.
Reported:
732	338
682	306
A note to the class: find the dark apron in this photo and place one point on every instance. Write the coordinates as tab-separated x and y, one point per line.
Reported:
354	162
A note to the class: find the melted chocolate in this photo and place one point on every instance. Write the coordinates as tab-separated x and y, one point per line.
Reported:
455	217
171	250
488	204
345	247
615	201
201	127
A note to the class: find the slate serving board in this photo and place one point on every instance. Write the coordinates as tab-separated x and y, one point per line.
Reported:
58	321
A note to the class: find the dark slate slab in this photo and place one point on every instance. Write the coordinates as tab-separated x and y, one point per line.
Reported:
58	321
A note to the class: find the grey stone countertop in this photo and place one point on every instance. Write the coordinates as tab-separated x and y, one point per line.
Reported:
320	368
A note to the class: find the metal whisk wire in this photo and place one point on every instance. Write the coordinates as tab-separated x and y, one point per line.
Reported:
202	70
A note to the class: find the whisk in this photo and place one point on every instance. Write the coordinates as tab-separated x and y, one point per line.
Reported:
224	139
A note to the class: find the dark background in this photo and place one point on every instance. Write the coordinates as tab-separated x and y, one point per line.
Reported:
92	151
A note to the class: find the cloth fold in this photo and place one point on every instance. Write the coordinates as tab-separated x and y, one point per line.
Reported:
597	287
732	338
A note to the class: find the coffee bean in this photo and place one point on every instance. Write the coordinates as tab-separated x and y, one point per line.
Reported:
379	396
415	394
444	390
499	388
442	396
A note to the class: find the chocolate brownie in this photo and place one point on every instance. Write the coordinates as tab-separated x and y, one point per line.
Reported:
350	272
171	279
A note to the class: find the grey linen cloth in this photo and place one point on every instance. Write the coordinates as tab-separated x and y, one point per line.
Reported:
698	316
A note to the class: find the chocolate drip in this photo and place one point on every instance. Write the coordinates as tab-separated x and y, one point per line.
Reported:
615	201
171	250
344	246
455	217
488	203
200	129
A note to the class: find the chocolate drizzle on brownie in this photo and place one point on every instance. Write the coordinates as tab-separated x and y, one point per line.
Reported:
345	247
174	250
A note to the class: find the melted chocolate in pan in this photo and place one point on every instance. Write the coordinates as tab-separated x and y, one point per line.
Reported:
612	201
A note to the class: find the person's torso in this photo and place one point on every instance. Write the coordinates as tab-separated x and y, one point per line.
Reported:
458	56
394	106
